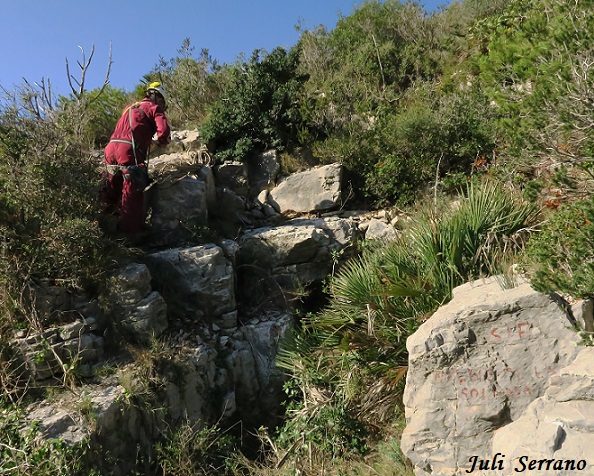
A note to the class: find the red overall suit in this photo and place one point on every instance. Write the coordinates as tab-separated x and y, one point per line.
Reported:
145	119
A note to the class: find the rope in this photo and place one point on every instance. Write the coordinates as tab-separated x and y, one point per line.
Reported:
203	157
132	135
182	165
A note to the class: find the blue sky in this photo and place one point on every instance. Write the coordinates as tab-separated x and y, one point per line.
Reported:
36	37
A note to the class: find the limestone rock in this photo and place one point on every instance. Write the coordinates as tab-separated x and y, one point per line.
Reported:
241	368
275	261
283	245
173	165
233	176
342	232
183	141
131	284
263	171
202	384
265	340
229	204
207	176
148	318
43	355
140	311
98	413
317	189
379	230
475	366
197	283
179	206
49	300
558	425
57	423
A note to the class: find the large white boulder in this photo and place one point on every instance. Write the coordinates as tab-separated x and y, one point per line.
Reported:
475	366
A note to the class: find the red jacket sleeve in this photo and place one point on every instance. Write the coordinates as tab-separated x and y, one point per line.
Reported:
163	130
159	123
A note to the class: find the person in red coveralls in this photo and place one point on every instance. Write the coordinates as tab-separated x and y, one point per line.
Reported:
126	155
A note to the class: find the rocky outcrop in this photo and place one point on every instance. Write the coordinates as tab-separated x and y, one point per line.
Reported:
74	340
380	230
179	207
475	366
207	376
184	141
140	312
233	176
182	192
188	193
188	190
274	262
265	337
50	353
198	282
207	354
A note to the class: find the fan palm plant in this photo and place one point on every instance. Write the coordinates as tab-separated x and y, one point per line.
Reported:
353	353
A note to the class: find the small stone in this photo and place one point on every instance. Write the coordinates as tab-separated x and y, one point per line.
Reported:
269	211
262	197
223	341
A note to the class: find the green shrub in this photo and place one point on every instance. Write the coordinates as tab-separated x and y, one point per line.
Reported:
407	149
468	242
531	60
257	110
49	195
560	258
190	451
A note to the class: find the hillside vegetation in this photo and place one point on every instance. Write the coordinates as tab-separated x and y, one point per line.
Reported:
485	104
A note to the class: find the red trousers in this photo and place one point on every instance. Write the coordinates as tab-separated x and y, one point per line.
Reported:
120	193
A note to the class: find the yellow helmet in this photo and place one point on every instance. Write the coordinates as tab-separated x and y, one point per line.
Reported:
156	87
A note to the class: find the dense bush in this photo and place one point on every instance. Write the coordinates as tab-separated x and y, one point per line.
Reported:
257	109
560	258
49	195
532	60
92	116
385	110
193	451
